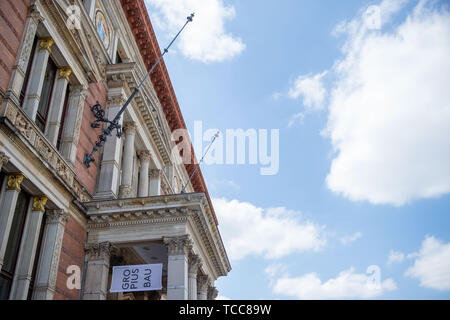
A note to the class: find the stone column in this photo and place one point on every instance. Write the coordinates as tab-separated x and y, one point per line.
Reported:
47	270
194	264
36	81
125	190
72	126
7	208
110	164
20	67
202	287
57	104
155	182
212	293
177	268
96	281
144	158
3	160
27	251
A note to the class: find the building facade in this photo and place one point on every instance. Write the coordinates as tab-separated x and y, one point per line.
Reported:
63	226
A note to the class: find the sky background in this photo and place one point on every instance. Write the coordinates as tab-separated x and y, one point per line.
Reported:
359	91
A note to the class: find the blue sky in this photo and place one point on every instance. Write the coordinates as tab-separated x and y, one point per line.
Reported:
359	92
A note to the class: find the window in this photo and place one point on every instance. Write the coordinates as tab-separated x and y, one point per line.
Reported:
46	93
12	248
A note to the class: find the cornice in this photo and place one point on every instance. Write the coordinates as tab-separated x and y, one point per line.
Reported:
139	22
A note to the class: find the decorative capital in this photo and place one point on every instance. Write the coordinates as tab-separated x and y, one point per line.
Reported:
102	250
14	181
34	13
212	293
178	245
57	216
39	203
129	128
65	72
46	44
154	173
3	159
194	263
145	156
202	283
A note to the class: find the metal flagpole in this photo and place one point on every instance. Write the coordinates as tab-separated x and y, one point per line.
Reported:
201	160
114	124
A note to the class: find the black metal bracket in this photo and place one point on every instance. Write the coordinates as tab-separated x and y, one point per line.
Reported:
99	113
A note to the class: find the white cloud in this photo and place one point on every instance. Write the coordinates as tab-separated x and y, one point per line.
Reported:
220	297
389	111
395	257
432	265
299	117
311	89
271	232
346	240
348	285
206	39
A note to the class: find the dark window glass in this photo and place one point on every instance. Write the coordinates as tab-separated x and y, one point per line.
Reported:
36	257
12	248
46	93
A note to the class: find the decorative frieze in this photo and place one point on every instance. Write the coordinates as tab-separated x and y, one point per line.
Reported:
44	149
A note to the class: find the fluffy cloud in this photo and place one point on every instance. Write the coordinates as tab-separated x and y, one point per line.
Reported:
432	265
311	89
206	40
389	111
395	257
271	233
347	285
346	240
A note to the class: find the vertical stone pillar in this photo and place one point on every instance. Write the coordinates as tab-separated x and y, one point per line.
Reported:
27	251
72	126
3	160
144	158
96	281
125	190
47	270
57	104
7	208
202	287
177	268
36	81
194	264
110	164
155	182
24	53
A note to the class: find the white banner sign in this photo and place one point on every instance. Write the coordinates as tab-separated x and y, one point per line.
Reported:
144	277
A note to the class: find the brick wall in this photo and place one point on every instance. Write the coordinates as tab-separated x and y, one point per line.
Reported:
89	136
72	253
13	14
